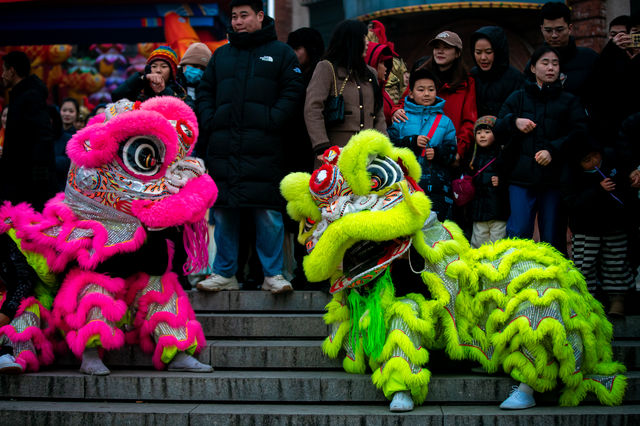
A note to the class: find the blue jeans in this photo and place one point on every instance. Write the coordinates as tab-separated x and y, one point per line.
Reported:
269	240
525	203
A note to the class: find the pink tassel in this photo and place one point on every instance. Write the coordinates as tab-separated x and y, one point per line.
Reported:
196	244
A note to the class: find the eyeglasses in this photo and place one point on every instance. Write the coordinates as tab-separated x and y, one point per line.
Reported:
556	30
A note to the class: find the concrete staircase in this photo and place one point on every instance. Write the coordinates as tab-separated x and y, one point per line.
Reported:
269	370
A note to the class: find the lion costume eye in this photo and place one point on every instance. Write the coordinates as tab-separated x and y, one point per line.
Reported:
384	173
143	155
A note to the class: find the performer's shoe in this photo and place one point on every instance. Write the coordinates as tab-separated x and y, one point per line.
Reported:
184	362
92	364
401	402
276	284
518	400
8	365
215	282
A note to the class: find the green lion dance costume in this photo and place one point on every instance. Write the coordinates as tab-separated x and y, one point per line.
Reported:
515	304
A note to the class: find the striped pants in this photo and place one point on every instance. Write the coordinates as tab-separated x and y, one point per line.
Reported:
603	260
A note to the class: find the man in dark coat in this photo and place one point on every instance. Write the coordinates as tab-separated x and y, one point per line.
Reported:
576	63
249	92
615	86
27	166
494	85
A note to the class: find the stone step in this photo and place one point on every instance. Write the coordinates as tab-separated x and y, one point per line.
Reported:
298	324
627	327
293	355
258	301
258	386
189	414
271	354
269	325
308	302
231	354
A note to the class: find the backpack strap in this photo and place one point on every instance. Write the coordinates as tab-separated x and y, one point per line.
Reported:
432	131
485	166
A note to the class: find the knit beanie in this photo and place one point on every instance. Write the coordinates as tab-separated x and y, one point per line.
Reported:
197	54
487	121
166	54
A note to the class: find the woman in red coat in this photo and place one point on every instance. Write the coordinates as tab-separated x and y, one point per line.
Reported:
455	86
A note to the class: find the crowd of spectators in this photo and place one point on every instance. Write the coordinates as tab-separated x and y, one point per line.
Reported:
551	148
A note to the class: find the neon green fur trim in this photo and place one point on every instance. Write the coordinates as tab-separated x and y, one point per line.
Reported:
48	284
357	365
399	369
295	189
355	155
329	251
169	352
34	308
520	267
94	341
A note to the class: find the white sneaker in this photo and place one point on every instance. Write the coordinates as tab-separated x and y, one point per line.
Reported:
518	400
276	284
401	402
8	365
215	282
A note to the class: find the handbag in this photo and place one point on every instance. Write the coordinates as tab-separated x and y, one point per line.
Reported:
334	104
463	188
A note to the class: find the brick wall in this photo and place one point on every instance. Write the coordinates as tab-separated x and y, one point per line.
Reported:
283	10
589	22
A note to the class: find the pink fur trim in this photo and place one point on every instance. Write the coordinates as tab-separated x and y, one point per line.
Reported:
34	230
194	334
28	360
173	109
144	327
34	334
110	337
112	310
105	138
188	206
46	320
67	299
96	119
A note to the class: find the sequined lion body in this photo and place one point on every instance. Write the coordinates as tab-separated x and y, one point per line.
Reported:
131	175
515	304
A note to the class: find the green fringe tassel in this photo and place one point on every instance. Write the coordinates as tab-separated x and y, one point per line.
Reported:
367	317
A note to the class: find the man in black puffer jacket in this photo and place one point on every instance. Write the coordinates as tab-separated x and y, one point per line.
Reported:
250	90
493	86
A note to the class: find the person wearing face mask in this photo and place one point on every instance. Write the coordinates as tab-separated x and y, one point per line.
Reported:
191	69
495	78
158	79
542	122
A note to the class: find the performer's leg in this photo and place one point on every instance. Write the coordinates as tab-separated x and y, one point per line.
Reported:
402	358
165	320
26	336
88	309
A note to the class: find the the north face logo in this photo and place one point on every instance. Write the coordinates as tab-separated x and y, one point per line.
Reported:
442	35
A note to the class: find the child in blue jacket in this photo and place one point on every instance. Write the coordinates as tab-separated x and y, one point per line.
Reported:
432	137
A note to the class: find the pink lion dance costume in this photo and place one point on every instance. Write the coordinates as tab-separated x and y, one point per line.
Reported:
130	178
